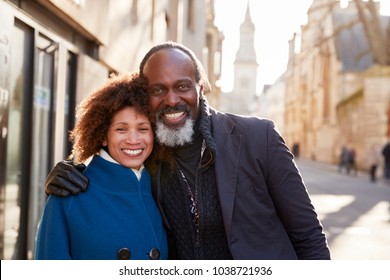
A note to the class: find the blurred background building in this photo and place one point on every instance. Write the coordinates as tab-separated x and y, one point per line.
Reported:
242	100
338	83
335	90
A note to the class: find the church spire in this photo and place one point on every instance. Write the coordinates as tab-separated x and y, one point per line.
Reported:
246	51
245	68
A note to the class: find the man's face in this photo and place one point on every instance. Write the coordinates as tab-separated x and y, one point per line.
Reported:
173	95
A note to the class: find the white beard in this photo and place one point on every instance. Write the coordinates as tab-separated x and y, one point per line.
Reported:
173	137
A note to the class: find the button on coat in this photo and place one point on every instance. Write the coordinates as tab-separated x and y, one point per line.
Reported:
124	254
154	254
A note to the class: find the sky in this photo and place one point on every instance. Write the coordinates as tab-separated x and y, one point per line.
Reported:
275	22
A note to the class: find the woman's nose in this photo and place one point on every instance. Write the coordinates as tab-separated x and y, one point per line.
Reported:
132	137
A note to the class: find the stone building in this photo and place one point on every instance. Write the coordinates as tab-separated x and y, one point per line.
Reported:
335	93
270	103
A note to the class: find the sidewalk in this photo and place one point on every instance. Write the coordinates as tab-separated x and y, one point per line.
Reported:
334	168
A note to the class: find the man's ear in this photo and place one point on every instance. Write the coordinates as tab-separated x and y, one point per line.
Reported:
201	90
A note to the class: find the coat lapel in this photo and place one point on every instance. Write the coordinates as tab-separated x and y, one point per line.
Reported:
226	164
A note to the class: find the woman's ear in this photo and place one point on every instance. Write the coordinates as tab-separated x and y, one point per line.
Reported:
105	142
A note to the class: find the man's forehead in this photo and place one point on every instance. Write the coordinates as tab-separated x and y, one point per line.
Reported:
166	55
169	63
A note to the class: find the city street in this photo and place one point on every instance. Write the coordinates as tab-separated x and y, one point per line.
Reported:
355	212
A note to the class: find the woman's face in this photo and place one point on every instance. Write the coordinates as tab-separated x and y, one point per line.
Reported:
129	137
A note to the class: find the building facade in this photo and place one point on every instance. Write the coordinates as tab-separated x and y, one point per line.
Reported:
52	54
270	103
335	93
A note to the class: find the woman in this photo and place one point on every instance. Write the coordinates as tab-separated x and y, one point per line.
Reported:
114	129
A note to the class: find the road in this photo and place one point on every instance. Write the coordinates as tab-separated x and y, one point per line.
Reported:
355	212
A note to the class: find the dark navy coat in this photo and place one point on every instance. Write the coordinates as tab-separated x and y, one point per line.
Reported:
266	208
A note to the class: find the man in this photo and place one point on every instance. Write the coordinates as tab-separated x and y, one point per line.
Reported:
227	186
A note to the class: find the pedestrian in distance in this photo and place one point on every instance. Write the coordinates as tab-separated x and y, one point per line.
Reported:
118	217
227	185
386	156
296	150
374	161
352	161
344	163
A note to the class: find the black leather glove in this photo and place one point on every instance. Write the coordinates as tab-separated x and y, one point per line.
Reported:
65	179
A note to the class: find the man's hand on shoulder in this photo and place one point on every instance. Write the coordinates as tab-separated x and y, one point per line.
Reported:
66	178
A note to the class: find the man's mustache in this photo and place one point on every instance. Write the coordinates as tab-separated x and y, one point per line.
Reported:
168	110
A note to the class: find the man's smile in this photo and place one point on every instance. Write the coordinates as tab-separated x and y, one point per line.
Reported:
174	117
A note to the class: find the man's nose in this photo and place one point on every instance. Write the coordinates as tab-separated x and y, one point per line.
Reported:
172	98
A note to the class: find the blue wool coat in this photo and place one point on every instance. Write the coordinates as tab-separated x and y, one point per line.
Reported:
118	211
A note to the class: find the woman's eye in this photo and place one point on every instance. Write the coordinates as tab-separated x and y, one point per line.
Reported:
144	129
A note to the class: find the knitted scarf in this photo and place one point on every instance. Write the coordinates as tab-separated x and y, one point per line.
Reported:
206	238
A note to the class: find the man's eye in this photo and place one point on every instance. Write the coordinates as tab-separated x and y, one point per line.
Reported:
156	91
184	87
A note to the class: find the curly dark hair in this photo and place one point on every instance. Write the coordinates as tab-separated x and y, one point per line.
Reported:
95	112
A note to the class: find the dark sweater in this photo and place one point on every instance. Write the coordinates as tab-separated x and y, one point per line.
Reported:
204	238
